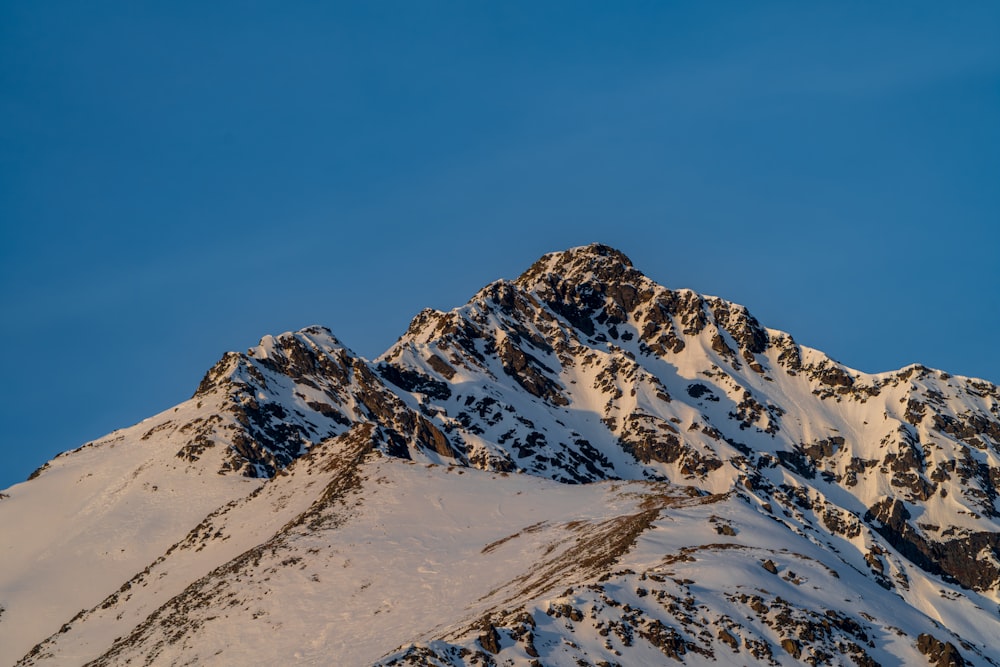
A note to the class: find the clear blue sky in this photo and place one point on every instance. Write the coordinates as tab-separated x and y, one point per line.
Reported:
178	179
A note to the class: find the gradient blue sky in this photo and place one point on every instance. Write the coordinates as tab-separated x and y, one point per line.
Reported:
178	179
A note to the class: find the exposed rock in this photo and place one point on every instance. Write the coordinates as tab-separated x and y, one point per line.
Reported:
939	653
490	639
729	640
792	648
959	559
415	381
530	373
667	639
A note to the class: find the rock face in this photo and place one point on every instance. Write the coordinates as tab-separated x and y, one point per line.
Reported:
939	653
583	371
297	389
623	378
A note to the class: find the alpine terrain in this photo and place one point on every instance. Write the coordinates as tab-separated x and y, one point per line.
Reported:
577	467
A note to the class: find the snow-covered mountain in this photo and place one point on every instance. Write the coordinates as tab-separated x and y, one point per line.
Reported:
577	467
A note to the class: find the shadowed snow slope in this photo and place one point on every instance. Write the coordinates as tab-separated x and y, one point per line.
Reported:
579	466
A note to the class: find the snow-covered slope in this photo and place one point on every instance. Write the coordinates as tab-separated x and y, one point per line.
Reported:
91	518
577	465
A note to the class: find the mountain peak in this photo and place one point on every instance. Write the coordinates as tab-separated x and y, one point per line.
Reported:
581	265
807	500
598	252
313	339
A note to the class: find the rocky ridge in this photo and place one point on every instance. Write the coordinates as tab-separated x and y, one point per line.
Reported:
693	389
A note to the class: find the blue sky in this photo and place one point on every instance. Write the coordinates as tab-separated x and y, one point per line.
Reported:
179	179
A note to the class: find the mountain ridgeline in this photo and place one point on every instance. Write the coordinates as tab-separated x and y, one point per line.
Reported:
583	467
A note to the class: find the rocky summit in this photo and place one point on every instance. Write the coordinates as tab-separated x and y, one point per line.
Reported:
577	467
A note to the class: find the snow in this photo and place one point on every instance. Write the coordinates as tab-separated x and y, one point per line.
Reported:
412	559
351	555
93	518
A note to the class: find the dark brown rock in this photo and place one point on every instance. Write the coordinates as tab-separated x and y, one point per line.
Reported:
729	640
490	639
939	653
792	648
